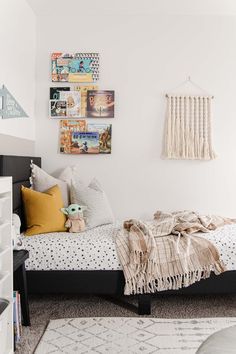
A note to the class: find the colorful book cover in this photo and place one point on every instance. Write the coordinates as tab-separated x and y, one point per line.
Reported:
55	92
67	127
105	135
57	108
16	317
73	103
100	104
19	313
83	92
75	67
85	143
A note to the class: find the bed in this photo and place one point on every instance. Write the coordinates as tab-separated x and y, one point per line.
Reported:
89	264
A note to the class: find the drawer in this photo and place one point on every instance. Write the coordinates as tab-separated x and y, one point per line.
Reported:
5	207
5	184
5	283
5	235
6	262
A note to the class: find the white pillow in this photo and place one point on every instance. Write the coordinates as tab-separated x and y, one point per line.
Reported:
16	224
98	210
41	181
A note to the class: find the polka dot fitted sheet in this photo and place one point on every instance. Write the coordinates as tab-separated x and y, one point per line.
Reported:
95	249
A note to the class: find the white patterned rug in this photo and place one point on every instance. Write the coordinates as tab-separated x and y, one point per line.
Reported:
112	335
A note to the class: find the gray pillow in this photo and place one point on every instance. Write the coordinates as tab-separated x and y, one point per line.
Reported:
41	181
94	198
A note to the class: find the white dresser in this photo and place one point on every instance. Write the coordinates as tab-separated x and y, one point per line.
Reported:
6	267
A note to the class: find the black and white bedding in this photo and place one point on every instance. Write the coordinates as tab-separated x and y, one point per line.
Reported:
95	249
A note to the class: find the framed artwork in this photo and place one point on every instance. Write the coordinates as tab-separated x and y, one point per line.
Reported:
55	92
100	104
76	67
73	103
83	93
105	135
57	108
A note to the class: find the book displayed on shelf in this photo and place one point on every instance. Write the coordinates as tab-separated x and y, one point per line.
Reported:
100	104
57	108
75	67
96	138
67	127
83	92
17	316
105	133
70	125
55	92
73	103
85	143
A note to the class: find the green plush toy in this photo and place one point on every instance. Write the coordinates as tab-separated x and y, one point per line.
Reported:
75	219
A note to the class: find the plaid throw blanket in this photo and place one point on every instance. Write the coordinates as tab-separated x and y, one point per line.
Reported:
163	255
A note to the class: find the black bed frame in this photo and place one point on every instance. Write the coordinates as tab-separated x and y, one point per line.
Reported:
100	282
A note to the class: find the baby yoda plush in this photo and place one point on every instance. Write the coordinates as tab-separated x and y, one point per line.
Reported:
75	220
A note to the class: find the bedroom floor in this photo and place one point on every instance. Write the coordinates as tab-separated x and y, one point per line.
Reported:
44	308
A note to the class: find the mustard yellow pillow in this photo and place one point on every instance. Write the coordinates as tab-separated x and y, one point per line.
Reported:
42	211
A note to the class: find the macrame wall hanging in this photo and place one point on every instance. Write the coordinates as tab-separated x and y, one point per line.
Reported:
188	127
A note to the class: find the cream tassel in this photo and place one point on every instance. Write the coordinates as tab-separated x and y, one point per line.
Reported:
188	128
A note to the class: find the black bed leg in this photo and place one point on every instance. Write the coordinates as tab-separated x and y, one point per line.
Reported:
144	304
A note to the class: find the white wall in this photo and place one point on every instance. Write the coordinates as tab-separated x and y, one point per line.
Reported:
17	64
142	57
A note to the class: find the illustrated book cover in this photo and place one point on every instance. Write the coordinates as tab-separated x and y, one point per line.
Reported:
67	128
75	67
83	92
100	104
85	143
73	103
55	92
105	135
57	108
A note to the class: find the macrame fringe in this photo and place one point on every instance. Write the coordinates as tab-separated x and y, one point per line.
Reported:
142	284
188	128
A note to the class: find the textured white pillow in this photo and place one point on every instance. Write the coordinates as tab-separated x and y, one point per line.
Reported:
94	198
41	181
